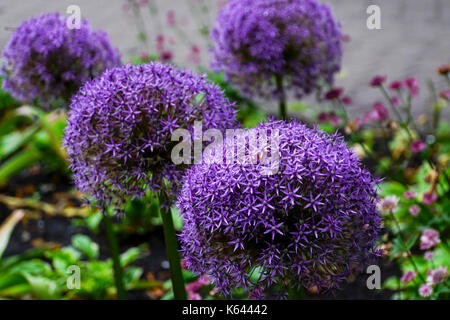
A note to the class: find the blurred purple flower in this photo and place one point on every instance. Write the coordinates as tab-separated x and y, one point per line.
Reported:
47	61
257	41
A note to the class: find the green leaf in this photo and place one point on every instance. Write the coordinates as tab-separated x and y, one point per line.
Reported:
392	188
19	162
43	288
131	276
391	283
86	246
411	241
130	255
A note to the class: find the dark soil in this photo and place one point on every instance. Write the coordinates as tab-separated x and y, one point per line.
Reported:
60	230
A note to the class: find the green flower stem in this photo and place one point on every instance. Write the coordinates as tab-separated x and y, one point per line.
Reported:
114	249
172	250
399	232
403	124
282	100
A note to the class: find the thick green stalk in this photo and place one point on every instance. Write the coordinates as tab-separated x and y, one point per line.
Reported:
114	249
172	250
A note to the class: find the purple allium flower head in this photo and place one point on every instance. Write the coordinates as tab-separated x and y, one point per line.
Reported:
118	137
47	61
313	223
257	41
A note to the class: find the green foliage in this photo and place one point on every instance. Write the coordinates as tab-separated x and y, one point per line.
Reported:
43	273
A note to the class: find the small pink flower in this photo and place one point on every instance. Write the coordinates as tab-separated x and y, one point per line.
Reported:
429	239
395	101
377	81
346	38
166	56
358	121
194	286
347	100
428	255
204	280
388	204
323	117
380	112
436	276
333	93
408	276
429	198
414	210
418	146
171	18
410	194
445	94
396	85
335	120
194	296
413	86
425	290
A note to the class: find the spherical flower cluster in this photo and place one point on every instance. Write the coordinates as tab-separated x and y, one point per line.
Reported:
47	61
297	42
118	137
311	224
